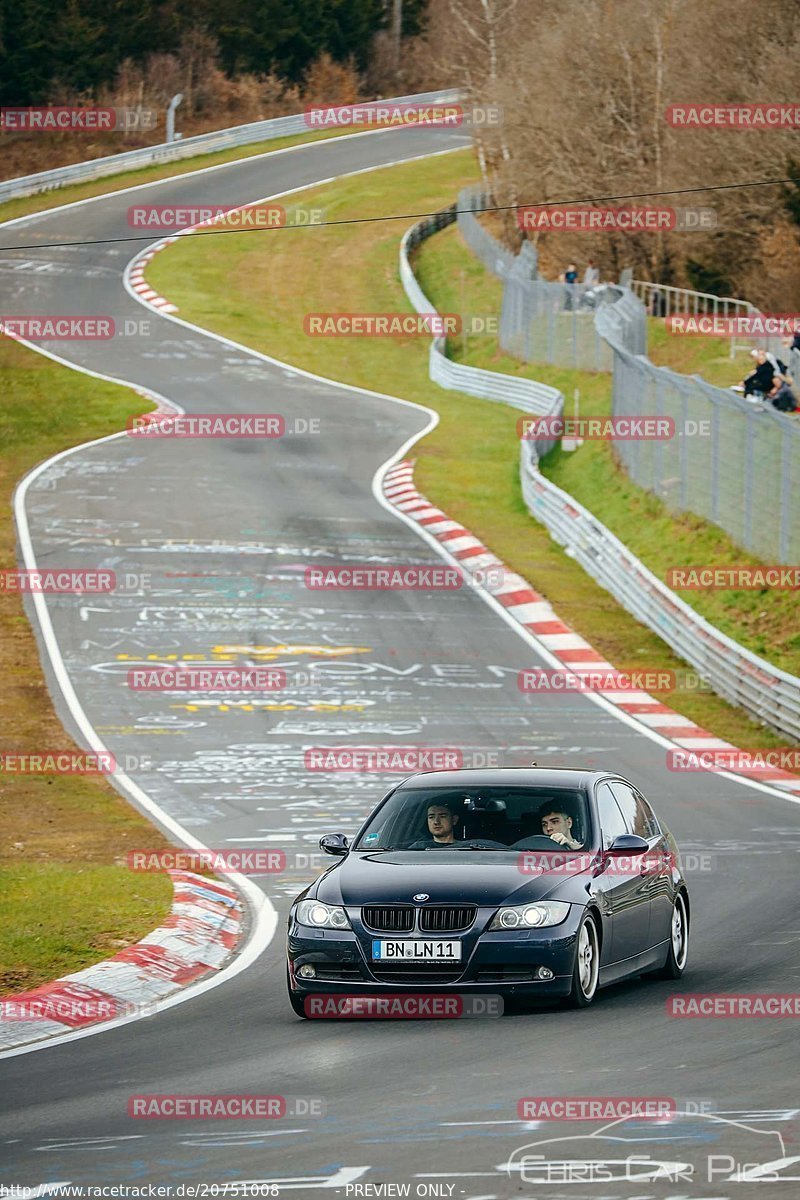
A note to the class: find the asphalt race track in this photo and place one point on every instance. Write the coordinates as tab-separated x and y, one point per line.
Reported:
218	535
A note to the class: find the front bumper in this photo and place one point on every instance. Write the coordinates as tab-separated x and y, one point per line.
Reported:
502	962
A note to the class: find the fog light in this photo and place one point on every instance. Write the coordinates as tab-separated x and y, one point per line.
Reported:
306	971
544	973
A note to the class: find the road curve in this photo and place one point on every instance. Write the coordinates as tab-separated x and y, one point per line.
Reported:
224	531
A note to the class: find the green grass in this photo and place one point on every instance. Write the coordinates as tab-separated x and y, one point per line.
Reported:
709	357
59	918
257	293
66	897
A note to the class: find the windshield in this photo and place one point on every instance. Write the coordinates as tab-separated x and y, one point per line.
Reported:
491	818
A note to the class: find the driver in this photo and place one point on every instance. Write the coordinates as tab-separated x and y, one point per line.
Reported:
557	825
442	819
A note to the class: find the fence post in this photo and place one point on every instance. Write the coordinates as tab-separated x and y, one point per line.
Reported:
749	454
786	497
715	462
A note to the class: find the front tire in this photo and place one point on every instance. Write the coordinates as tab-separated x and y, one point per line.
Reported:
586	971
678	942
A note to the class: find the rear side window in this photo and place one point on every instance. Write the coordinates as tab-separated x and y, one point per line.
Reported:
612	822
639	816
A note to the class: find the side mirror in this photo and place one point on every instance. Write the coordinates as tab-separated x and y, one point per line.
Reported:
628	843
334	843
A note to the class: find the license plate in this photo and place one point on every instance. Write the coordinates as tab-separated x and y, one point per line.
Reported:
412	950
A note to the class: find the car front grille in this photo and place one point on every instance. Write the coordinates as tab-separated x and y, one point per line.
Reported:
388	918
440	918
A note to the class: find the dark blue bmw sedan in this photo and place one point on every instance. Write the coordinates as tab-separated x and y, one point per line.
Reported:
528	882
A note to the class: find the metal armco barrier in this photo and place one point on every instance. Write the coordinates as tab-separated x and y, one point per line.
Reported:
736	674
203	143
733	672
524	394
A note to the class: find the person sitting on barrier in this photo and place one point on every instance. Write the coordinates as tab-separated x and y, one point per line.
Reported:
760	381
781	396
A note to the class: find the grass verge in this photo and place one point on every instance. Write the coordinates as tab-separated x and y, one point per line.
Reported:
66	899
258	294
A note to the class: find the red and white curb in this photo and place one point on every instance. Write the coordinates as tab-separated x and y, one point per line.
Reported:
535	614
199	936
140	284
138	265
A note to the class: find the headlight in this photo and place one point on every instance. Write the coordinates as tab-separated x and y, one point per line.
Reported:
530	916
321	916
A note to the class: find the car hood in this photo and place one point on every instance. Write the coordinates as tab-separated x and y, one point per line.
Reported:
446	876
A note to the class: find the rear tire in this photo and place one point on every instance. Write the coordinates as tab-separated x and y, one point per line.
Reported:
586	971
678	942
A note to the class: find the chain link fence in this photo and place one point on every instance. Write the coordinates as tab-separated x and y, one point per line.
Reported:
771	695
732	461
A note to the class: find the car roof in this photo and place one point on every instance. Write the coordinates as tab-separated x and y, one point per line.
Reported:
476	777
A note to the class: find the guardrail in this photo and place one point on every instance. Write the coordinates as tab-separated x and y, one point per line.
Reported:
524	394
736	674
663	300
202	143
771	695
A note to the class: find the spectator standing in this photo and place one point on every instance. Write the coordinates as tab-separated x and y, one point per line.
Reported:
591	276
570	279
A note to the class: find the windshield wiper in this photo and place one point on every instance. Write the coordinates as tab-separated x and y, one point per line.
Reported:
499	849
